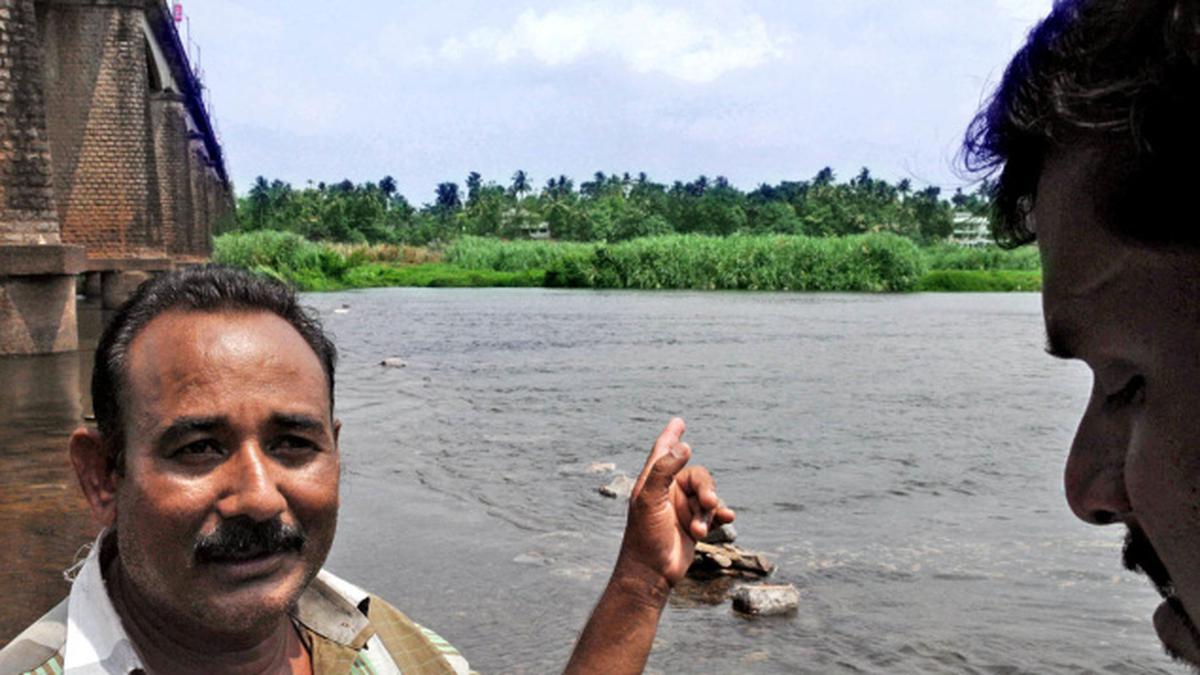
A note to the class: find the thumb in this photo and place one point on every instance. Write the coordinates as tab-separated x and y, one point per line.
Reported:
658	480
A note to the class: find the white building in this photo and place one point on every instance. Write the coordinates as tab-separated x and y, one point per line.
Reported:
971	230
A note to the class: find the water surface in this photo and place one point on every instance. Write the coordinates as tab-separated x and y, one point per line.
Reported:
898	456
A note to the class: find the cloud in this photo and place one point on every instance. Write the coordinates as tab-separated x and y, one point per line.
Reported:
687	45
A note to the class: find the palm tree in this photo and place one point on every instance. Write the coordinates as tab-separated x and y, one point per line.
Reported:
387	185
474	183
520	184
447	198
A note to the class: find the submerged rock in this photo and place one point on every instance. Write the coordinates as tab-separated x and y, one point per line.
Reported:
394	362
766	599
620	487
601	467
691	592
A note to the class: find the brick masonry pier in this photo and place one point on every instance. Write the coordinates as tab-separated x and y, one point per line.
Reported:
109	165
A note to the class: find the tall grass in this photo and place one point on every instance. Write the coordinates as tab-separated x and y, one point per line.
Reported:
873	262
327	267
513	256
285	256
952	257
977	281
387	253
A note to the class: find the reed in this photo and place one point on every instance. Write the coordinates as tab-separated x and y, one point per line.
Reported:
981	281
873	262
951	257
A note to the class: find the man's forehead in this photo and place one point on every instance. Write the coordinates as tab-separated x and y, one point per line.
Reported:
181	351
221	333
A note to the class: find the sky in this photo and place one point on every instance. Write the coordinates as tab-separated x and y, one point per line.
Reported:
753	90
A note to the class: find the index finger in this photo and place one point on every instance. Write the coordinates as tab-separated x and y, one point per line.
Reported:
662	445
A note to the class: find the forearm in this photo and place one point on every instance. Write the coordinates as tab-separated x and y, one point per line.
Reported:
620	632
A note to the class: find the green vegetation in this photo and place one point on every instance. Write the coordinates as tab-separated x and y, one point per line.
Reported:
607	208
323	267
968	281
483	253
874	262
614	231
951	257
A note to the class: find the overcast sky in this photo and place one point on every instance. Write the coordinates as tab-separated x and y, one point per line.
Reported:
755	90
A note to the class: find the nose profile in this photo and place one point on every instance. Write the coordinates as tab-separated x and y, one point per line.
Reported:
252	490
1095	474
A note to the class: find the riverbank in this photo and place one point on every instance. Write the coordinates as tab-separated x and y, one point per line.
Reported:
860	263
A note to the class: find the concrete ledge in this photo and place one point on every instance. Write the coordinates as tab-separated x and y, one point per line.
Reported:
127	265
190	261
24	261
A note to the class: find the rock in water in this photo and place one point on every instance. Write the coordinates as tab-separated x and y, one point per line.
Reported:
727	560
725	534
393	362
620	487
601	467
766	599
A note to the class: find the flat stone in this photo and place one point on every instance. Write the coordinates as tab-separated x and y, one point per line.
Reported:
620	487
766	599
394	362
601	467
716	560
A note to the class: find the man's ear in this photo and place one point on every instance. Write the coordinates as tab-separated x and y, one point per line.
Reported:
97	477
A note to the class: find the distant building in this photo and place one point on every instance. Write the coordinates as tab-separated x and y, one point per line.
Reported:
971	230
538	230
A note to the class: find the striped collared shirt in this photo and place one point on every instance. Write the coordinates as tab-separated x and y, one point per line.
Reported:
346	630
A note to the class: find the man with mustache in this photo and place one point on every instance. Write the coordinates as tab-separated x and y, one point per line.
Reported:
1095	132
214	468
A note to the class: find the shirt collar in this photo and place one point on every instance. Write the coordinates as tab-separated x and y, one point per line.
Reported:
97	643
96	640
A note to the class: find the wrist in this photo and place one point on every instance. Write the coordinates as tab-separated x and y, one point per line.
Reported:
639	584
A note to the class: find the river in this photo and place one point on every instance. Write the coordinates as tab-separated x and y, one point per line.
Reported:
898	456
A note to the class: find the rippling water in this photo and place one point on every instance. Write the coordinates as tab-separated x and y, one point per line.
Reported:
898	456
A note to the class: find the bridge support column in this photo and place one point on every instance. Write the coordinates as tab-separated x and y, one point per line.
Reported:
117	286
92	287
37	299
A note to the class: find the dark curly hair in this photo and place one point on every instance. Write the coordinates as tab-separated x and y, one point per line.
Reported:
1122	70
208	288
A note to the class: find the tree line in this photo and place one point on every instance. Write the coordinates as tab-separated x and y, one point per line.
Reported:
607	207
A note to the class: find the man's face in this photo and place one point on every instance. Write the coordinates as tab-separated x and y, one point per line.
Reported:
1131	312
228	505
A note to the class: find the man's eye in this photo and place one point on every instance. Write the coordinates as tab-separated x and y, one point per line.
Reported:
1130	393
294	444
197	449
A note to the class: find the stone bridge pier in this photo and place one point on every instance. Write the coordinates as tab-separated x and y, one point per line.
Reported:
109	164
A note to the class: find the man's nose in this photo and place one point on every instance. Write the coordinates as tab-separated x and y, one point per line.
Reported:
1095	473
251	487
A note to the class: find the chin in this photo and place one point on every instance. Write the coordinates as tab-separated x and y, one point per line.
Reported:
256	606
1178	633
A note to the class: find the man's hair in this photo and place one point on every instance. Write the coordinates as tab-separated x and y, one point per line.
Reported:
1128	71
209	288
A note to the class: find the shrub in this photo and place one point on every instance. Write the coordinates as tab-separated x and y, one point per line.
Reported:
961	281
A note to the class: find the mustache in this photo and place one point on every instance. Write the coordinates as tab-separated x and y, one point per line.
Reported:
243	538
1139	556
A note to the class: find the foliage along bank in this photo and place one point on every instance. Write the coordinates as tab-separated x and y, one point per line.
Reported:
608	207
